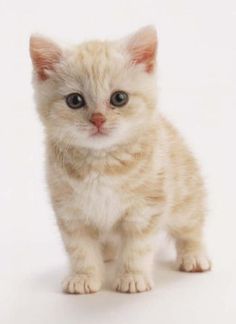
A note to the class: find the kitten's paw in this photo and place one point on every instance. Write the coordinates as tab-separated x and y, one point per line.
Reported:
133	283
81	284
194	263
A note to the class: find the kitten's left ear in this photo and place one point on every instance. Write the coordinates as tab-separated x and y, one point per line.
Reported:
142	46
44	54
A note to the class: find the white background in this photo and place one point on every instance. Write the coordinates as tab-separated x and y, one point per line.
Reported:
197	90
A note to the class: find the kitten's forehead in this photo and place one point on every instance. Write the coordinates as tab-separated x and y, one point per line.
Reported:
94	66
98	59
97	54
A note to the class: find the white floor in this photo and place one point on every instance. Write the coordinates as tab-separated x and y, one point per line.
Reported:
197	90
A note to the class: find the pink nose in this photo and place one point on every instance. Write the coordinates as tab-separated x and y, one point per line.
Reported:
97	119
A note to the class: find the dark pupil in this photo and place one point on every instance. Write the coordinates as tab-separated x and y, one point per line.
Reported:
120	97
76	100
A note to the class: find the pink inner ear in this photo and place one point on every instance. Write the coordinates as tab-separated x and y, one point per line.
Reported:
45	55
44	64
145	56
142	46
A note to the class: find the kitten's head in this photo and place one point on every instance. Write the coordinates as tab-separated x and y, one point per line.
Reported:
97	94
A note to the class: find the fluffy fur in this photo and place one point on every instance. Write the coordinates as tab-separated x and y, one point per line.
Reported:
131	181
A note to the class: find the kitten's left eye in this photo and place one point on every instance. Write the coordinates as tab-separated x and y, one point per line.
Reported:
75	100
119	98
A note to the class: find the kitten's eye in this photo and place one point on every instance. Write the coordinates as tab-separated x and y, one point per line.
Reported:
119	98
75	101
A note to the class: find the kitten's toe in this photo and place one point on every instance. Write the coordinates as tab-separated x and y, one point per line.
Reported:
133	283
81	284
194	263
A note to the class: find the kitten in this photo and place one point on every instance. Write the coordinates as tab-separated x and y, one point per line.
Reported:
115	166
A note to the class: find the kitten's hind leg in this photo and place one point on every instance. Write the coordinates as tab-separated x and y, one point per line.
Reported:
191	251
109	251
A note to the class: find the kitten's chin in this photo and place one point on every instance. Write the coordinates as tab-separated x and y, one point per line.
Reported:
99	141
103	139
93	140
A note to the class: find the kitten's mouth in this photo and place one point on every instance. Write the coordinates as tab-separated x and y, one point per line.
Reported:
99	133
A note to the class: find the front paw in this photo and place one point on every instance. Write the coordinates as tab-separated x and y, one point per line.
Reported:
81	284
133	283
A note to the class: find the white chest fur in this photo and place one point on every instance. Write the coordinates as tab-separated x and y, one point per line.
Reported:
98	201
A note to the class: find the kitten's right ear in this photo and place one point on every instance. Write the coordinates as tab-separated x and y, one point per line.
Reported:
44	54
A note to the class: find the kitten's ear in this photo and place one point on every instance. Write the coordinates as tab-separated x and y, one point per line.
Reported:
142	46
44	54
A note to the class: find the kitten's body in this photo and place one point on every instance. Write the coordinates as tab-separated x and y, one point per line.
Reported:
132	182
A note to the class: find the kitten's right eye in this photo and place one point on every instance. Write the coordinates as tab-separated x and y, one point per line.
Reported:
75	100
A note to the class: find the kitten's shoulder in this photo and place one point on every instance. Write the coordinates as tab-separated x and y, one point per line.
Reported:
168	128
175	144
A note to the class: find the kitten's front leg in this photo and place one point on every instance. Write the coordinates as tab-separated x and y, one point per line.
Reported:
136	259
85	258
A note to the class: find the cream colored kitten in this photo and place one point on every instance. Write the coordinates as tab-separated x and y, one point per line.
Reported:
115	166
